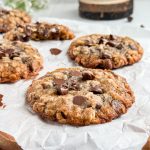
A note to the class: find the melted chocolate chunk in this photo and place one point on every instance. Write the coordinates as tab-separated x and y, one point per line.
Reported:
63	115
59	81
24	38
2	54
96	89
98	106
112	44
119	46
107	64
75	73
62	90
117	105
74	84
55	51
79	100
106	55
87	75
101	41
133	47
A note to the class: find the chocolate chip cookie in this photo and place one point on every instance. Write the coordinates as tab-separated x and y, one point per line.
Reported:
12	18
40	31
18	61
80	96
105	51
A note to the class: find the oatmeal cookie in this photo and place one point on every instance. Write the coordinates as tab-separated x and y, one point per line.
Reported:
105	51
40	31
18	61
9	19
80	96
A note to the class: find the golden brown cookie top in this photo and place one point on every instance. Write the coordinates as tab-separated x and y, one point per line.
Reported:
9	19
105	51
40	31
18	60
80	96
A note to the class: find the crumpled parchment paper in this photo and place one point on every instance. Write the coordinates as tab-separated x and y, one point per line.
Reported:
129	132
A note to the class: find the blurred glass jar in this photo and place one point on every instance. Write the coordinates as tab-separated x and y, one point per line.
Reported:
105	9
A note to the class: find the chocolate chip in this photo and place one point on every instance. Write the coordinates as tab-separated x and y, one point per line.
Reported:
75	73
1	98
62	90
112	37
74	85
2	54
112	44
79	100
106	55
24	38
55	51
107	64
15	54
9	51
59	81
63	115
96	89
130	19
119	46
87	75
98	106
117	105
101	41
133	47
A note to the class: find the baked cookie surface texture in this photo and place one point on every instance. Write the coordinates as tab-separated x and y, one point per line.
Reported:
105	51
80	96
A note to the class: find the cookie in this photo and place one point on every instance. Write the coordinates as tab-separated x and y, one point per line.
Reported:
80	96
9	19
105	51
8	142
18	61
40	31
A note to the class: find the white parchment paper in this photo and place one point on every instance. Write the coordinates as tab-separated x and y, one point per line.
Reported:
129	132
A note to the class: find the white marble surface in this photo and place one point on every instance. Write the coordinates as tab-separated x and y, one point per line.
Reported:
68	9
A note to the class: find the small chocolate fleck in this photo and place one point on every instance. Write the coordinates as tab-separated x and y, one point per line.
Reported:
119	46
74	84
98	106
142	26
112	37
59	81
96	89
101	41
79	100
75	73
87	75
130	19
24	38
55	51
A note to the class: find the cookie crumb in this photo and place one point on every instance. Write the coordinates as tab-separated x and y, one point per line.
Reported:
1	103
55	51
130	19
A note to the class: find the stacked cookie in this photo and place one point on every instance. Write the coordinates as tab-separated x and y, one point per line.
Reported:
78	95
